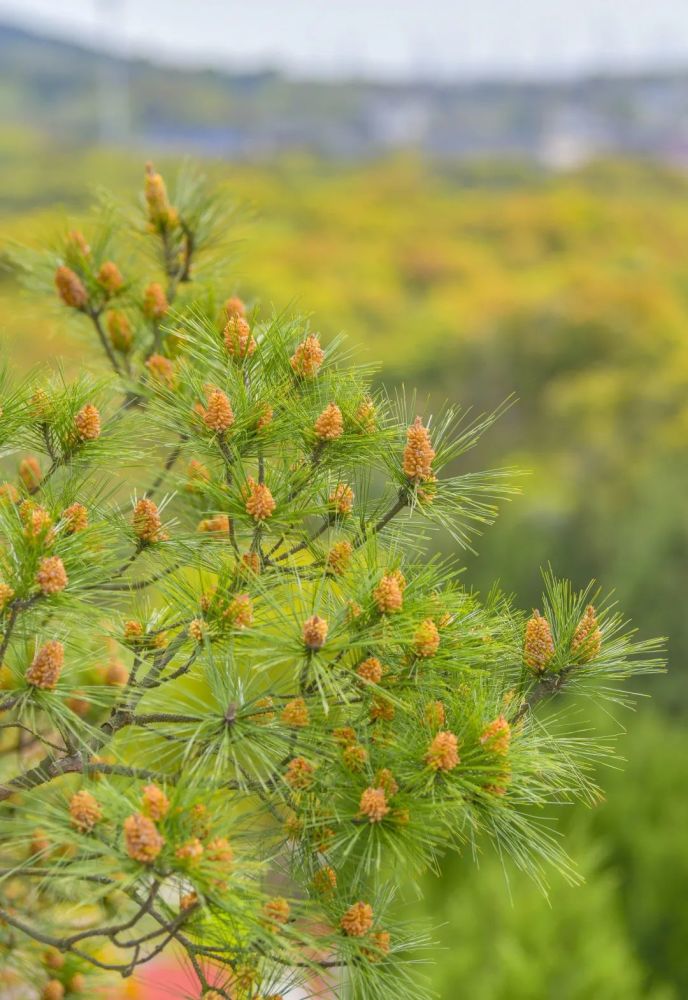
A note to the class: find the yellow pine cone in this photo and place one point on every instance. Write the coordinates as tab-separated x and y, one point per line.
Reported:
265	418
385	780
119	331
370	670
295	713
217	525
299	774
146	521
53	990
381	942
330	423
238	338
315	632
155	304
30	472
443	752
160	211
85	811
197	474
388	595
307	358
197	629
260	504
325	880
587	639
341	499
497	736
77	241
154	802
70	288
110	278
354	756
6	594
87	423
435	714
191	851
218	415
116	674
46	667
426	639
142	840
234	306
277	910
373	805
418	453
538	645
219	850
51	576
8	493
339	557
240	611
357	920
382	710
344	735
75	518
366	417
162	370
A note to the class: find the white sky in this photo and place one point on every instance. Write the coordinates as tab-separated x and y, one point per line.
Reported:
384	38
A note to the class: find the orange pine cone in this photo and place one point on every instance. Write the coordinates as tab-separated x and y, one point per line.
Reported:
373	804
218	415
497	736
370	670
308	358
85	811
51	576
315	632
87	423
443	754
238	338
110	278
155	803
142	840
295	713
155	304
426	640
341	499
70	288
587	639
538	645
299	774
330	423
339	557
388	595
119	331
357	920
75	518
419	453
260	503
46	666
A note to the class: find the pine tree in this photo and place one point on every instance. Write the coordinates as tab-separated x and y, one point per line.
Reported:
241	705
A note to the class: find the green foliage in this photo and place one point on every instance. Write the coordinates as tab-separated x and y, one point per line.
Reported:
299	691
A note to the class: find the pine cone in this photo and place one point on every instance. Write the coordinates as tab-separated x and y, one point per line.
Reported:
87	423
46	667
295	713
155	304
418	454
260	503
339	557
357	920
146	521
307	358
218	415
142	840
238	338
330	423
388	595
75	518
109	278
370	670
426	640
299	774
155	803
442	754
70	288
162	370
277	910
119	331
315	632
234	306
51	576
538	646
587	639
497	736
373	804
341	499
85	811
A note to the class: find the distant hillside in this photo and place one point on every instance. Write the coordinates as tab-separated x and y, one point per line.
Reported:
77	94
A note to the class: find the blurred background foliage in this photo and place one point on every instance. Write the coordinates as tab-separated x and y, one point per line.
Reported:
472	281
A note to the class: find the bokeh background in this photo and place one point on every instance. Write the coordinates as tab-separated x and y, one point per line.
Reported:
488	198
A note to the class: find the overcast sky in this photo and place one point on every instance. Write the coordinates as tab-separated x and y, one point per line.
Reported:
385	38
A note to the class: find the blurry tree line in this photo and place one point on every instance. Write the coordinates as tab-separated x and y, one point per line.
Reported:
475	282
